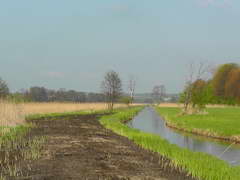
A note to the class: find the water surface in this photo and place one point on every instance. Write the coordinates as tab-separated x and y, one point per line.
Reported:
149	121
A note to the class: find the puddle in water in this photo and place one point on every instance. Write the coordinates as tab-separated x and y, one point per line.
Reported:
149	121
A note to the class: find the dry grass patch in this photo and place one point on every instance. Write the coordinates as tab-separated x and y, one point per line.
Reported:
11	114
45	108
170	105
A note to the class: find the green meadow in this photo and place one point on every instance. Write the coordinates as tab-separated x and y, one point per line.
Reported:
217	121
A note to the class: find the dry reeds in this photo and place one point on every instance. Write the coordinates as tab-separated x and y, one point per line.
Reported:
170	105
45	108
11	114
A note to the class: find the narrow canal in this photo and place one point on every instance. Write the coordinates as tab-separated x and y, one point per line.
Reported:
149	121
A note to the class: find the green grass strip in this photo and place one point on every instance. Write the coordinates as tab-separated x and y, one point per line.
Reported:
64	114
199	165
223	122
76	113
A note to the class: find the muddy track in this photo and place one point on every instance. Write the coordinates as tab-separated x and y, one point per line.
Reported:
80	148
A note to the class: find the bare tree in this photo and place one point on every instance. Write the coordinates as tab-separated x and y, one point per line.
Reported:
158	93
112	88
196	72
131	87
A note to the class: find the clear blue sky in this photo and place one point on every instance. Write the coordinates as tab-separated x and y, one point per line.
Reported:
71	44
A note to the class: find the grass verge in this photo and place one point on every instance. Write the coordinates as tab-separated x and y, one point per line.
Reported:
74	113
198	165
221	123
65	114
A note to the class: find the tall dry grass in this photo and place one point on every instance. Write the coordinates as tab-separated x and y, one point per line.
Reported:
170	105
44	108
12	114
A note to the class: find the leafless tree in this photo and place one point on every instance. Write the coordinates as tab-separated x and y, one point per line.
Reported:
158	93
132	87
196	72
112	88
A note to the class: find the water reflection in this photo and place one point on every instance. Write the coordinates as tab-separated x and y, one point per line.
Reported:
149	121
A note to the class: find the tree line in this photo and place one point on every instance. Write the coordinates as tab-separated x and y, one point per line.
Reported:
42	94
223	87
111	93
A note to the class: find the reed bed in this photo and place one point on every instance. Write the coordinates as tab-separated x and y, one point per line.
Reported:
45	108
13	114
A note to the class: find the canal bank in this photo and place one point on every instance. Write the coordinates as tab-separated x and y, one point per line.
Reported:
149	121
197	164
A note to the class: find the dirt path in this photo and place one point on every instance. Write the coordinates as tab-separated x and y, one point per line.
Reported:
80	148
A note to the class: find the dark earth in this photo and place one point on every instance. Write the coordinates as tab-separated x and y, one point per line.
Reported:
81	148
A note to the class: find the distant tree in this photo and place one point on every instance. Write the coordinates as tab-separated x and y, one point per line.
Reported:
158	93
4	90
38	94
220	78
112	88
17	98
51	95
209	92
195	78
131	87
95	97
199	95
148	101
174	99
41	94
61	95
232	86
81	97
126	100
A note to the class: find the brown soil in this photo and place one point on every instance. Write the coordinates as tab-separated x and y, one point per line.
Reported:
80	148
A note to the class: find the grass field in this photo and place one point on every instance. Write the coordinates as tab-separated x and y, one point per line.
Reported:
199	165
223	122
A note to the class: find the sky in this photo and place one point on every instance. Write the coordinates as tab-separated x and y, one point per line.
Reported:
71	44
